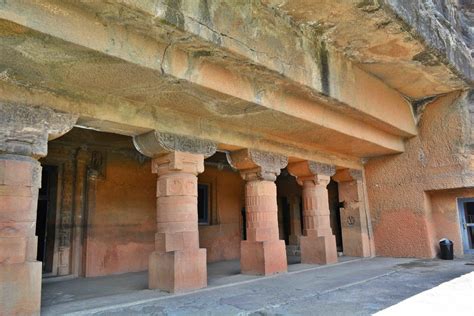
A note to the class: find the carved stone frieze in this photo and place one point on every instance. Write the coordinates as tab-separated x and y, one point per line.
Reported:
155	143
316	172
27	129
255	164
97	165
318	168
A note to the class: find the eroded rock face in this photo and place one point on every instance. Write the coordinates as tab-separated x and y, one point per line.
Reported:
447	26
372	36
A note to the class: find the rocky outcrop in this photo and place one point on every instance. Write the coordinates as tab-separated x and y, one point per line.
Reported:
445	25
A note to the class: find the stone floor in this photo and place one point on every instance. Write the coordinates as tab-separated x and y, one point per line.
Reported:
450	298
351	287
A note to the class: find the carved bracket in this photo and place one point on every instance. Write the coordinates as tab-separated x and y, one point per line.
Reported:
257	165
318	168
97	165
154	144
348	175
317	172
27	129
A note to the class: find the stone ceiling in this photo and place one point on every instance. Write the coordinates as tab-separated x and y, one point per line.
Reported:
320	78
371	35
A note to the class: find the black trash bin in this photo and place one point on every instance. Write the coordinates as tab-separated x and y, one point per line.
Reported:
446	249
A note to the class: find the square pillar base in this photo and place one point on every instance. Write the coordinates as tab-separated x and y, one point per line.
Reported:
263	257
356	243
318	249
178	271
20	288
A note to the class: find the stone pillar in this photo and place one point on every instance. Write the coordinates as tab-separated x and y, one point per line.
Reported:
88	234
23	139
263	253
318	244
295	221
76	247
355	220
65	216
177	264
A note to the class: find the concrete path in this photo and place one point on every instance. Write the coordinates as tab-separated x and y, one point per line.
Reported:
359	287
454	297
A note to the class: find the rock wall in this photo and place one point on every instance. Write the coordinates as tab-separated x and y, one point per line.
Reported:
108	192
405	191
122	225
445	216
446	25
222	238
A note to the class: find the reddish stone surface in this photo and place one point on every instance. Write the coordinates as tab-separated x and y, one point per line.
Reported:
178	271
318	245
121	235
263	257
402	233
20	288
122	227
262	253
401	188
446	218
354	218
177	264
20	274
222	236
318	249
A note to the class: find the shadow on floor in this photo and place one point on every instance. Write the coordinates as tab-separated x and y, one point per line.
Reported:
70	290
352	287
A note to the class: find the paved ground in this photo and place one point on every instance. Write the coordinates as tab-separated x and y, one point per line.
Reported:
450	298
357	287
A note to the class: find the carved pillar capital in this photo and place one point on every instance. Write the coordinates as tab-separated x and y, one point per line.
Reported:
318	173
26	129
178	161
257	165
346	175
154	144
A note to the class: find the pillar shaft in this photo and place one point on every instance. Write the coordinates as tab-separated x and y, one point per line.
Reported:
23	138
318	244
316	218
262	211
177	264
263	253
20	179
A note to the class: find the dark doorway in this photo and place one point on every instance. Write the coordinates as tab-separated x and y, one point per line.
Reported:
203	203
46	217
333	195
285	209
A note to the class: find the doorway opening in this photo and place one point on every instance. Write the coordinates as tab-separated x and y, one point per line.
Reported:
290	217
46	217
290	214
335	213
466	215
